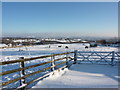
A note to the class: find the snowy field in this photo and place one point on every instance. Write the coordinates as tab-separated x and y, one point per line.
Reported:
82	76
33	51
9	54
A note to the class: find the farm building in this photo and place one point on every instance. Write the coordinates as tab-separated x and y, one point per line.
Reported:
93	44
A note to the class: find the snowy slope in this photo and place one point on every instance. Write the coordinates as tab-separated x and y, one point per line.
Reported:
83	76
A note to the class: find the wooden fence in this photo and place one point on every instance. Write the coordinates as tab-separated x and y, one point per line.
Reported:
78	57
22	68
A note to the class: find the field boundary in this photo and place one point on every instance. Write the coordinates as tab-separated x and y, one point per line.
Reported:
110	58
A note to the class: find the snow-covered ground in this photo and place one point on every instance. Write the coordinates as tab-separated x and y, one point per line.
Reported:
82	76
34	51
3	45
9	54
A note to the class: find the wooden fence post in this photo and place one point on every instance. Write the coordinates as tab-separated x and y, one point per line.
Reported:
52	63
75	57
22	72
113	56
67	60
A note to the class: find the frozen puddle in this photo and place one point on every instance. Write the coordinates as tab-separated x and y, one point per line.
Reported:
83	76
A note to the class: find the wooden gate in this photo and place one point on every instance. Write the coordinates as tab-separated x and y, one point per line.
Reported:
96	57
